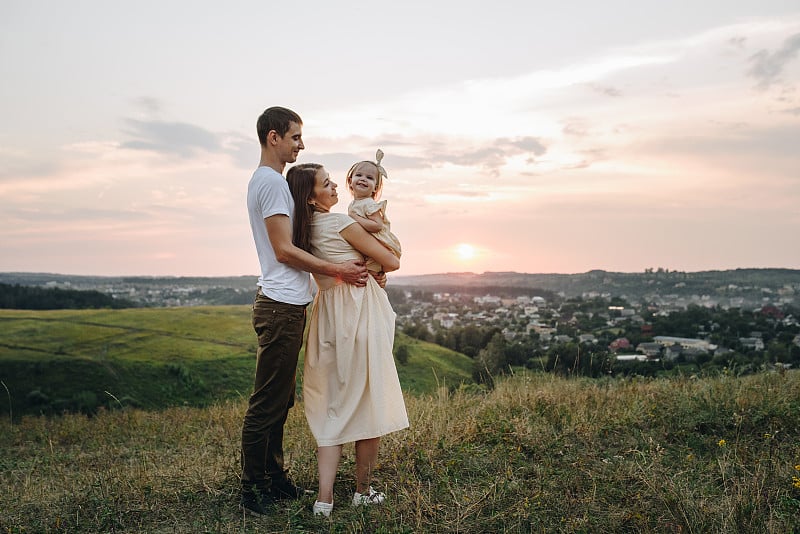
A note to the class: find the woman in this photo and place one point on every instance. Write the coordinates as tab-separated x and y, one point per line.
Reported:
350	387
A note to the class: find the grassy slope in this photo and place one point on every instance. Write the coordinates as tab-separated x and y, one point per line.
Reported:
156	357
430	366
537	454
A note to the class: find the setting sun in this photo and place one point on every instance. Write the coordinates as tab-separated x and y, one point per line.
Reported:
465	252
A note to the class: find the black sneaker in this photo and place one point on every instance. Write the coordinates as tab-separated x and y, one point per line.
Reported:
256	502
285	488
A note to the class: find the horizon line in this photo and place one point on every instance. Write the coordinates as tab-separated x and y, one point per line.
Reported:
655	270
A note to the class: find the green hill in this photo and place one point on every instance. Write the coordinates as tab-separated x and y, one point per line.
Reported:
52	361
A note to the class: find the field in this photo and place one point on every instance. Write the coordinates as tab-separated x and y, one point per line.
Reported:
163	391
536	454
79	360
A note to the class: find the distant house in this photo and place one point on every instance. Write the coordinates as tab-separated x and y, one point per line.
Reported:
587	338
446	320
633	358
628	318
771	311
541	329
621	343
488	299
699	345
508	334
649	349
754	343
671	352
546	336
637	319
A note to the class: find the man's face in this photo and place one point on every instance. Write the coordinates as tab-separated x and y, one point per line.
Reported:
290	145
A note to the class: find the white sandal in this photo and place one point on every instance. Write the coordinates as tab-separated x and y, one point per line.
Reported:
373	497
323	508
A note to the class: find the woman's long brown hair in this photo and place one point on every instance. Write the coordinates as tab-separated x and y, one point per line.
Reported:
301	179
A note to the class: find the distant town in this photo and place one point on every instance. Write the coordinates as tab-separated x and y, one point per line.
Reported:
599	318
624	314
745	319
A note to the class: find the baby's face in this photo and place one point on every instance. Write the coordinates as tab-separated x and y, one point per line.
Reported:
364	181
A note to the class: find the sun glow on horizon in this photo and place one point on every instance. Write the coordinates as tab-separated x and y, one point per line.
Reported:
465	252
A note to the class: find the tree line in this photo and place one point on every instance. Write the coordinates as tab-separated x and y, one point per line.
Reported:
18	297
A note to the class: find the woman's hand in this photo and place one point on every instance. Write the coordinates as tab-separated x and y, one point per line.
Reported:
379	277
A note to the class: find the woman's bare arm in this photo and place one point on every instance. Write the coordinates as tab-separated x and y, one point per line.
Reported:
366	244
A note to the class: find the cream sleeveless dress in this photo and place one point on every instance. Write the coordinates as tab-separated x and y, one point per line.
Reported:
350	386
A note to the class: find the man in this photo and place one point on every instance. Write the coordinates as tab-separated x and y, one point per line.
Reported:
284	290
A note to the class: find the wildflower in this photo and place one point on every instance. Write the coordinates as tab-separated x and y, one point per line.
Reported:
796	482
721	443
797	467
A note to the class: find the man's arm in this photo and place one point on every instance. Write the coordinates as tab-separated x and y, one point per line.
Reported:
279	231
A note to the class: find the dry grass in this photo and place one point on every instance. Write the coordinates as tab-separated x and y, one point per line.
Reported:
537	454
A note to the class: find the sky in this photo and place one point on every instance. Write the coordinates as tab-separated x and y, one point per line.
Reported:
521	136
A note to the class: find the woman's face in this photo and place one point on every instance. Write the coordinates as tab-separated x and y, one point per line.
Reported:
324	195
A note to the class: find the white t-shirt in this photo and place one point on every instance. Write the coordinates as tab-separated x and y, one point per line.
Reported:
268	195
